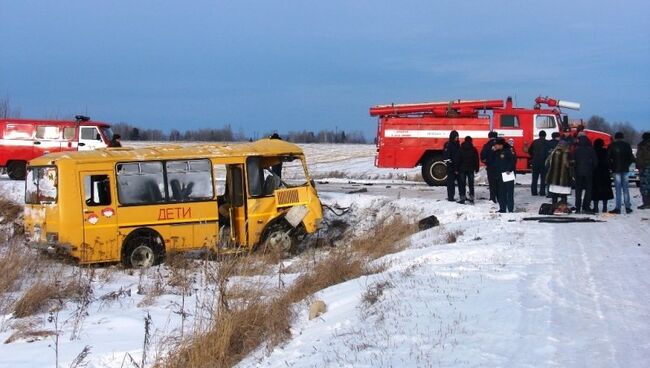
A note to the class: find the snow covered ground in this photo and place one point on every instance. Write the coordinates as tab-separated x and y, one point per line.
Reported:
482	289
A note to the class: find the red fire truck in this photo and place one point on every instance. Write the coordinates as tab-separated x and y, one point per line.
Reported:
22	140
409	135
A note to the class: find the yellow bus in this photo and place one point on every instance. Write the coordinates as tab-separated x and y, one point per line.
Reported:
136	205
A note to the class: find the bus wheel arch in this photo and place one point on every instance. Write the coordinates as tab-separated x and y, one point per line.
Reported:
278	235
17	169
143	248
434	168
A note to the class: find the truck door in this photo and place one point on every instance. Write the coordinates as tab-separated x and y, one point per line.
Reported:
47	139
237	196
546	123
90	138
100	218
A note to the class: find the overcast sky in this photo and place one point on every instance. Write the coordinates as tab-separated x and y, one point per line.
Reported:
292	65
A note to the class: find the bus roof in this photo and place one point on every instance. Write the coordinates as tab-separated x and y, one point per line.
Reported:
266	146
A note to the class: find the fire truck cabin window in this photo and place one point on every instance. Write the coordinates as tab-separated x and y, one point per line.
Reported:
509	121
140	182
545	122
189	180
97	190
90	134
47	132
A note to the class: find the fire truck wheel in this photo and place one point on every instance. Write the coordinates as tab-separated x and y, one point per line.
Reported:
16	170
434	170
142	251
278	238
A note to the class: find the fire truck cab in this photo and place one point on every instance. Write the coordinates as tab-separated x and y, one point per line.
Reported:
409	135
24	139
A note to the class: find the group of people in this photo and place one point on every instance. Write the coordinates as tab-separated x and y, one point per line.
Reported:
558	164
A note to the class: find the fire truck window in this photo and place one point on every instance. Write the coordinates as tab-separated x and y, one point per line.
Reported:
18	131
68	133
140	182
47	132
189	180
509	121
97	190
544	122
90	134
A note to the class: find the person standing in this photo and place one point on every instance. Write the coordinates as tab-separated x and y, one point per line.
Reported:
585	162
558	176
505	161
468	167
555	139
643	164
538	152
115	141
602	177
620	158
452	158
487	157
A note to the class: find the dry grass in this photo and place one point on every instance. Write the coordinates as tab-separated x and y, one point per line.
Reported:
41	295
374	292
453	235
248	318
10	219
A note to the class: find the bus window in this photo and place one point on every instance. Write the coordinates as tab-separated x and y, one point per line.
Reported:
219	175
237	192
255	176
293	171
41	185
140	183
189	180
97	190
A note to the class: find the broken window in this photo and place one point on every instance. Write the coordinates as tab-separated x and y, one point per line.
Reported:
41	185
140	182
97	190
189	180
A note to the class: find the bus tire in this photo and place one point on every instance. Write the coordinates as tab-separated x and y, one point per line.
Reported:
142	250
278	237
434	170
17	170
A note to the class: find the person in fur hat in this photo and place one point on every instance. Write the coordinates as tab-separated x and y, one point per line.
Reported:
558	177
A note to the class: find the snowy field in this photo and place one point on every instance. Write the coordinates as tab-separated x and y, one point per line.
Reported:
500	292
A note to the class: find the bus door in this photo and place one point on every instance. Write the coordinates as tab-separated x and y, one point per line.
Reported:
99	217
237	198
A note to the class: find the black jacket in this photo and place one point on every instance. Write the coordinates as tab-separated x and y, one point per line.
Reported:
468	157
602	182
487	154
505	159
643	155
620	156
585	160
539	151
452	154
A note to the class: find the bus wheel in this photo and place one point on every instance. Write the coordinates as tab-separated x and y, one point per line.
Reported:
278	238
434	170
142	252
16	170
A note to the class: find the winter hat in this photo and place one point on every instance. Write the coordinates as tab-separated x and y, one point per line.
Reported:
468	139
500	141
618	135
453	135
542	133
645	136
599	143
492	134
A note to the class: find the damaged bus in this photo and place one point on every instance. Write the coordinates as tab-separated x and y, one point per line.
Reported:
136	205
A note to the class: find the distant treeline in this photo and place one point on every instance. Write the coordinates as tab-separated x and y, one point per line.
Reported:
226	134
630	133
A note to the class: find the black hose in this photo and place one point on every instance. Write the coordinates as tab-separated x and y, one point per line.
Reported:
345	210
561	219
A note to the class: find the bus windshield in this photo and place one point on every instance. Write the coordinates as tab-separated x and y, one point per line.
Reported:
41	185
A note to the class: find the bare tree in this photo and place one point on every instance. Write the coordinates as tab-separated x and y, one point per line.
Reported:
6	111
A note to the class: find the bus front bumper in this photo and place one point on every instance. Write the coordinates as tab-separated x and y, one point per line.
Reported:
52	248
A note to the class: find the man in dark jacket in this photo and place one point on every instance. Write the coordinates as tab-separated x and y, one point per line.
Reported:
620	158
585	161
538	152
643	164
115	141
487	157
452	158
505	162
468	167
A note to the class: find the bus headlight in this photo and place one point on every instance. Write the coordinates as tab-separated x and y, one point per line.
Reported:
52	237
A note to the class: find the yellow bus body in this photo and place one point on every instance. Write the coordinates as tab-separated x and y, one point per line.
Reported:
89	205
